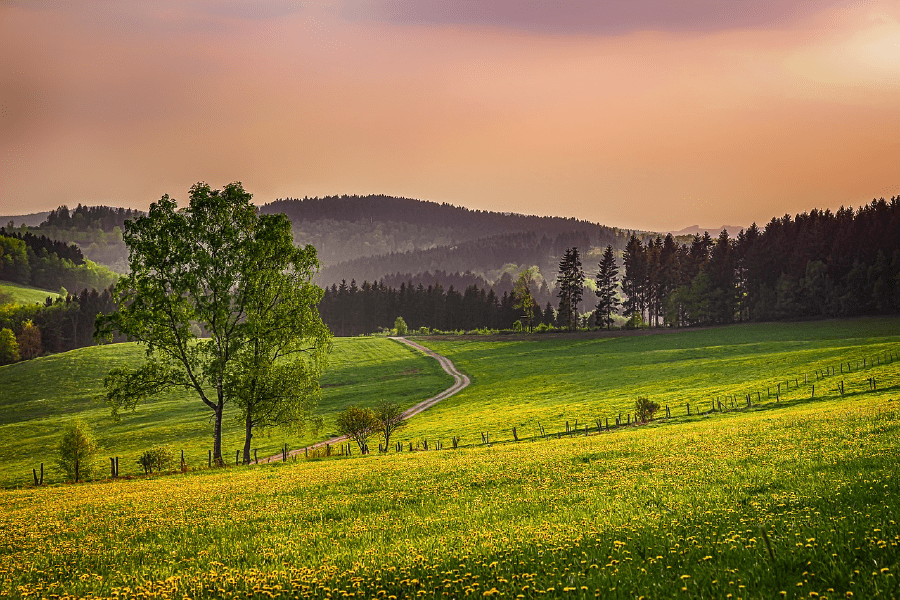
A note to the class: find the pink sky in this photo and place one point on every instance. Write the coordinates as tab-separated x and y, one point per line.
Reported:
639	114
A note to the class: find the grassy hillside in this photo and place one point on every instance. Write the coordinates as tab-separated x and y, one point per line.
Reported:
39	397
523	382
794	500
23	294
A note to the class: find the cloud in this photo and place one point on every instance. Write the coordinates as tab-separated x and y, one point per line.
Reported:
602	17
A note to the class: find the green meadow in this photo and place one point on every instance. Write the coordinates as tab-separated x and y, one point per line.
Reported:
39	397
23	294
794	497
530	381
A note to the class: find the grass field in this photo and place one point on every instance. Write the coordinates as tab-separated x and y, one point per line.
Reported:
23	294
795	498
39	397
523	382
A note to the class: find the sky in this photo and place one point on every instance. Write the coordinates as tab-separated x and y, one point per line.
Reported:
640	114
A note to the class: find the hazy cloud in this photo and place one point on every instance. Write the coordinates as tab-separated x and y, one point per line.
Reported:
606	17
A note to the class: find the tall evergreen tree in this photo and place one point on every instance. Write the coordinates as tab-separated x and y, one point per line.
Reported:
570	282
634	281
607	284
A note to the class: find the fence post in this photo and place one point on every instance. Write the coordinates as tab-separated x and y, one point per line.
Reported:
567	427
813	395
515	435
76	470
209	460
689	408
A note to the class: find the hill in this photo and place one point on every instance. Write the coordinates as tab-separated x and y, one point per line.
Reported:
22	294
369	237
794	497
29	220
39	397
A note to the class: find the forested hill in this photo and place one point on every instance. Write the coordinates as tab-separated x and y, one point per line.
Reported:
344	228
488	257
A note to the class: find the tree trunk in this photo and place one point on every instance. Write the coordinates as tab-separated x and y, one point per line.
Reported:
248	435
217	436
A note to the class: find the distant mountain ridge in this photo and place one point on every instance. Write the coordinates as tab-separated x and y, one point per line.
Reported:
369	237
29	220
733	230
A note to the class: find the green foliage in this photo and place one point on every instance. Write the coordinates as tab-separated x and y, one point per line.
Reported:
29	340
358	424
400	326
76	451
524	301
219	265
644	409
158	459
9	347
390	418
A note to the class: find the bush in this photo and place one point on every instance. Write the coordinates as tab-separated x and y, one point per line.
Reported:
158	458
400	326
9	347
357	424
644	409
77	450
636	321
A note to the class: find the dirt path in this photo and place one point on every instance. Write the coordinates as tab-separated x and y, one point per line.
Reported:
460	381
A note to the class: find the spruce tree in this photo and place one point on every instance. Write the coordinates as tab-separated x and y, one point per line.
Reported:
607	282
570	281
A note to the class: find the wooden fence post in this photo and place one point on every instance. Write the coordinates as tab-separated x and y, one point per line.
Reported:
813	395
689	408
567	427
515	435
76	470
209	460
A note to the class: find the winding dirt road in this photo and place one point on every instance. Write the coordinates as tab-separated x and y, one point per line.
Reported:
460	382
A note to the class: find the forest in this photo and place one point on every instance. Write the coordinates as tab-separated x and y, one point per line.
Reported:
49	264
400	231
55	326
814	265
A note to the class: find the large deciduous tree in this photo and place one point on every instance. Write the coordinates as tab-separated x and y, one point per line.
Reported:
222	301
524	299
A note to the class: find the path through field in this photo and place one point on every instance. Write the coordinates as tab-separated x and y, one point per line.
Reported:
460	381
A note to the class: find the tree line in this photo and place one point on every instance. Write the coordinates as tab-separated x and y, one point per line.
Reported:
48	264
817	264
31	330
83	218
354	310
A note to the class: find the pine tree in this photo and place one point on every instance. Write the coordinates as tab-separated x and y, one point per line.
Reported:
607	284
570	281
634	281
